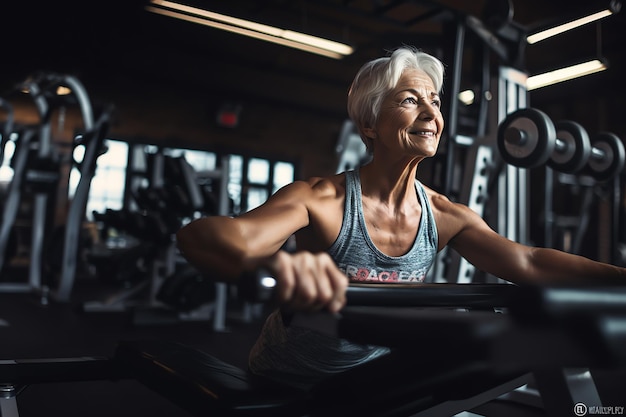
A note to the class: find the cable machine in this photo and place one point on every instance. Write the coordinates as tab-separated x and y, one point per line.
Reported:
36	166
472	172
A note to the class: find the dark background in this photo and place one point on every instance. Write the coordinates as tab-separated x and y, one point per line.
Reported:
154	67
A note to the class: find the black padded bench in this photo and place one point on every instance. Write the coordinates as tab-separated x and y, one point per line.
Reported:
445	358
204	384
444	361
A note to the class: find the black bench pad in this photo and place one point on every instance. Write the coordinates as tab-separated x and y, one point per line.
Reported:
204	384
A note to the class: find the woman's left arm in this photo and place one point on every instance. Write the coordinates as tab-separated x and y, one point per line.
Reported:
521	264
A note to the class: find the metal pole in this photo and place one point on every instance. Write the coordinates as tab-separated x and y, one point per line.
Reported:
452	123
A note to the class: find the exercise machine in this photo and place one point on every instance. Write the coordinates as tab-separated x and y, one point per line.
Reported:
36	164
156	284
468	344
529	139
350	149
468	358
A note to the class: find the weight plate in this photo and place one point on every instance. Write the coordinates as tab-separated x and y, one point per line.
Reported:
526	138
609	161
572	152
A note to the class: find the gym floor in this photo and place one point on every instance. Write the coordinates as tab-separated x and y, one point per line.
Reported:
29	329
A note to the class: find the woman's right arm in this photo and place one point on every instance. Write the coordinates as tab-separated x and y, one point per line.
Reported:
223	248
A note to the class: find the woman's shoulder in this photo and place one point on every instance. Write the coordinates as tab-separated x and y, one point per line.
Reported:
437	200
310	192
329	186
446	209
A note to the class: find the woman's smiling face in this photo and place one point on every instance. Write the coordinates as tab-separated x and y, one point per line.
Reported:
410	116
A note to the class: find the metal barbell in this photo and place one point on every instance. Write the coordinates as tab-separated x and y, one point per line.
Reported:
527	138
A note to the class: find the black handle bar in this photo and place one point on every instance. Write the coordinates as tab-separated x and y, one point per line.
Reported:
252	287
524	302
431	295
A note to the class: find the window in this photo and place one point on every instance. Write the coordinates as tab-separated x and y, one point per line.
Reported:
283	174
263	182
108	183
201	161
258	171
251	180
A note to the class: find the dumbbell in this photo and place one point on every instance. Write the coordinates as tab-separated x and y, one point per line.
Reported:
527	138
607	157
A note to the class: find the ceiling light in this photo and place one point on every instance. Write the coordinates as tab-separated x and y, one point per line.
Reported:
467	97
63	91
564	74
255	30
614	7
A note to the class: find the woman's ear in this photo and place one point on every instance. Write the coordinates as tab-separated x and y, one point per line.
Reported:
370	132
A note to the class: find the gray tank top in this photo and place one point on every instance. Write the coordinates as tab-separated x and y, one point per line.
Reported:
357	256
301	356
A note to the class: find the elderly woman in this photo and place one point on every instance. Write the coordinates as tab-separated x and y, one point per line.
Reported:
375	223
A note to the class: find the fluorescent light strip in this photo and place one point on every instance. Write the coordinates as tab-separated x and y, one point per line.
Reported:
544	34
333	46
252	29
564	74
245	32
258	27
